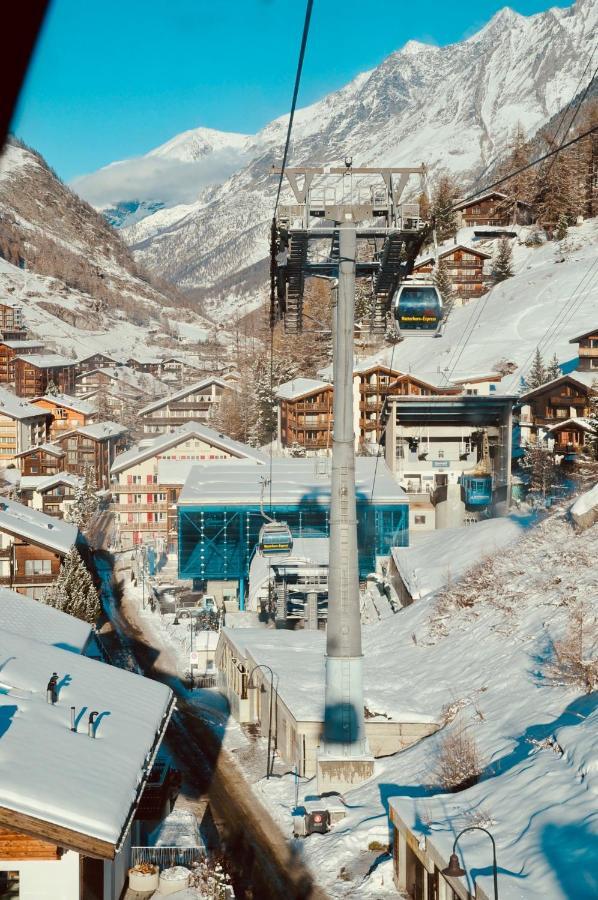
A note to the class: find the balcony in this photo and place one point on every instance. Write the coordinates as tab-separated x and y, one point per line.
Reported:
587	352
144	526
160	506
310	407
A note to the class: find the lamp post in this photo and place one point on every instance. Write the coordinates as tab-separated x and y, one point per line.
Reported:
249	685
454	870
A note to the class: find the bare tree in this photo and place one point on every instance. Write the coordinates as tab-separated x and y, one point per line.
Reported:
576	655
459	764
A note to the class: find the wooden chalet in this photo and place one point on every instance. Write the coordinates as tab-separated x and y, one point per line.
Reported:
93	361
571	436
41	461
587	350
35	373
493	208
465	266
151	365
563	398
9	349
94	445
67	412
305	414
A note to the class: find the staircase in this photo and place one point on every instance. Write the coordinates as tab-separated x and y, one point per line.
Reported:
295	282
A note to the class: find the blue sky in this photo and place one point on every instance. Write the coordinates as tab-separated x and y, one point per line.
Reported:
112	79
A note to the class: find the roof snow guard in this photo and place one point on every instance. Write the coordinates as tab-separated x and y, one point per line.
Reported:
63	786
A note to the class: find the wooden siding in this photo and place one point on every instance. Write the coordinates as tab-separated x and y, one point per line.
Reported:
15	846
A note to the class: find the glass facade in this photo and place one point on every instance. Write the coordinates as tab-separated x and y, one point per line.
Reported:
217	542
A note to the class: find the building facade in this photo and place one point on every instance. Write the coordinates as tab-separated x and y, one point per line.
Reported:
22	426
9	349
563	398
197	402
587	351
35	373
494	209
95	446
465	267
67	412
305	414
11	318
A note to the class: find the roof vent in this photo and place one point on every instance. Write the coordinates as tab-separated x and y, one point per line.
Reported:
50	526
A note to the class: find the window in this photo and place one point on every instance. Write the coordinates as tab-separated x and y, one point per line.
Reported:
491	387
38	566
441	454
562	413
419	520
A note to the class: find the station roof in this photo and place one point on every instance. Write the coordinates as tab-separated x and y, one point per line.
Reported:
294	481
461	408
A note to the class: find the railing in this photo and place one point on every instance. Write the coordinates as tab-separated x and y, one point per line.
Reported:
311	407
143	526
161	506
22	580
166	857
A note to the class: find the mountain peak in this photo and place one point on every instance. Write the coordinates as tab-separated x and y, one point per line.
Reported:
411	48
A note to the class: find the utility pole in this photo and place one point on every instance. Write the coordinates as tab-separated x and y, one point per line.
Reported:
344	758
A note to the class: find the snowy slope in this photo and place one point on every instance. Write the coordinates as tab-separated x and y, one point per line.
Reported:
480	660
449	106
546	303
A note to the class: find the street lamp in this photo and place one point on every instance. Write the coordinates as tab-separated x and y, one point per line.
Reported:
250	685
454	870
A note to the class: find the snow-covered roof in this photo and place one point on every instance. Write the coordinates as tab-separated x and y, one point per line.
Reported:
68	779
69	402
585	502
108	356
32	619
46	484
582	379
486	196
125	376
17	408
145	360
441	557
300	387
46	360
22	345
36	527
184	392
148	448
578	422
477	376
101	431
47	447
429	257
580	337
293	481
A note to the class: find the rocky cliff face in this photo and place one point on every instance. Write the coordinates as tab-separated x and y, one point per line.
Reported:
451	107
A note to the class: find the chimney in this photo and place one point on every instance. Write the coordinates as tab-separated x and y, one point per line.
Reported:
51	694
73	723
91	732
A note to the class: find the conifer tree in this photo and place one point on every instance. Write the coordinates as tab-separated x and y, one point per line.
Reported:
537	373
74	592
553	369
443	213
561	227
543	469
502	264
593	417
52	389
442	279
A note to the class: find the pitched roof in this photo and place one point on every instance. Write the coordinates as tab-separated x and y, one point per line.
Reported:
101	431
46	360
422	260
52	449
301	387
184	392
36	527
581	379
69	402
18	408
81	359
580	422
580	337
143	382
149	448
486	196
46	484
22	345
52	778
23	615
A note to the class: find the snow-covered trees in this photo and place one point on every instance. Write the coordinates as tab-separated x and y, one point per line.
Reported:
543	470
85	503
553	369
52	389
502	264
102	406
594	417
74	592
442	211
537	373
562	227
442	280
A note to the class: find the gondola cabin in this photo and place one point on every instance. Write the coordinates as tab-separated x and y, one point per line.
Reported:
477	489
275	539
418	308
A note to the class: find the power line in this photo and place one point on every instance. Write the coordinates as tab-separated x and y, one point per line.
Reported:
574	116
575	93
308	10
530	165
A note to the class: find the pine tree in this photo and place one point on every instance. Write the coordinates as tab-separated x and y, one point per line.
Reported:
593	417
78	508
519	187
537	373
74	592
442	279
553	369
90	488
543	469
502	264
561	227
443	198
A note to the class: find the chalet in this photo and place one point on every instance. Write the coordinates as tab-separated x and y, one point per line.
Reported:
94	445
11	317
55	494
22	425
571	436
305	414
143	500
41	460
588	350
563	398
32	546
196	402
93	361
176	368
34	373
9	349
69	794
67	412
151	365
121	381
492	208
465	266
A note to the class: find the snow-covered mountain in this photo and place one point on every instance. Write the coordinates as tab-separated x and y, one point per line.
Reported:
451	107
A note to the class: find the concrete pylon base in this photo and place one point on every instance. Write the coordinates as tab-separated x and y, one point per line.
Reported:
342	773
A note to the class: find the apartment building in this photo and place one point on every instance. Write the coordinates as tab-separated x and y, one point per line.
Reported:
197	402
9	349
22	425
67	412
35	373
95	445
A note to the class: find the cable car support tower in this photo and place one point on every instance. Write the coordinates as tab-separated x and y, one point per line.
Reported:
347	222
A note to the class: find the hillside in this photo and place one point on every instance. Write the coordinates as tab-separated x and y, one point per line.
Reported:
77	280
461	658
451	107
